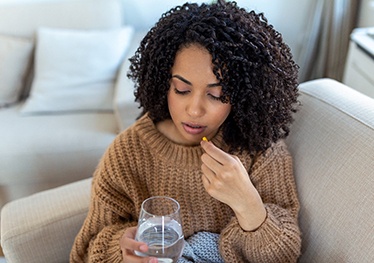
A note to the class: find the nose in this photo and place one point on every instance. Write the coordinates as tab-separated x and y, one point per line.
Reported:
195	107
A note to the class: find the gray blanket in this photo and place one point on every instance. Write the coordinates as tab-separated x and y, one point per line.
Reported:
201	247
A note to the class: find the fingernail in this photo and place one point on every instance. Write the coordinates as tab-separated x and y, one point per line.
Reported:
143	248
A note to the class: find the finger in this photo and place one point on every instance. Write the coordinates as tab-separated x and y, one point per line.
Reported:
130	232
211	163
128	243
207	173
128	254
205	180
128	239
215	152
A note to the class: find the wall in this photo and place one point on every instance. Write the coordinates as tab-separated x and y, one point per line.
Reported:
289	17
366	15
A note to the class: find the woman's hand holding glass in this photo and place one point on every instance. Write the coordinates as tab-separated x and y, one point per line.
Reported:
158	237
129	245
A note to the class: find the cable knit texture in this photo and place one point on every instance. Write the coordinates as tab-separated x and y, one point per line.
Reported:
141	162
201	247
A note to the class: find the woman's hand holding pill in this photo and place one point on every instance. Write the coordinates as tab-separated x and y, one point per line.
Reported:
226	179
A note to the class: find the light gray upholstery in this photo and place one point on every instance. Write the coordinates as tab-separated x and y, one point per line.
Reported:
332	142
44	225
45	151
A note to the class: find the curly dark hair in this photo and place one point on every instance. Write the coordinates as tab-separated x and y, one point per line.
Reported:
250	59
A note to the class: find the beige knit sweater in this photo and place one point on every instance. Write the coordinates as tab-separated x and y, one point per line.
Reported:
141	162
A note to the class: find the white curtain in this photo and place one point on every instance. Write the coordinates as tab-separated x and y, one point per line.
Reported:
327	39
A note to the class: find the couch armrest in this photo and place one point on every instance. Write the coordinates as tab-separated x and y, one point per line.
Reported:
332	144
42	227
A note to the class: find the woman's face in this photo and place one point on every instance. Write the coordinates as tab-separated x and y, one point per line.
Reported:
194	97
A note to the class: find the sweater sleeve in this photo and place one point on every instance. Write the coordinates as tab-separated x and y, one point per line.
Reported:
98	239
278	238
111	211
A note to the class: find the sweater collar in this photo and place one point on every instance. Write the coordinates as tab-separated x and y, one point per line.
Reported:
170	152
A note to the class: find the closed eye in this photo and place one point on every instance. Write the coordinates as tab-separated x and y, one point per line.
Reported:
181	92
214	97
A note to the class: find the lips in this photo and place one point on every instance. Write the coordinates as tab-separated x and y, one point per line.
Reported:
193	128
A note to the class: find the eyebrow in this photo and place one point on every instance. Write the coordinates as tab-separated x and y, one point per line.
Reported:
190	84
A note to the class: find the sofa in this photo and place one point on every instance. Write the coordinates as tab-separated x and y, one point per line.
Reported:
332	143
64	94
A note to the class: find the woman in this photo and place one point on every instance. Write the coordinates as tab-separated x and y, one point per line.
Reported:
214	71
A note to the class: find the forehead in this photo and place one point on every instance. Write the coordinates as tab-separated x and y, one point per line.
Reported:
193	60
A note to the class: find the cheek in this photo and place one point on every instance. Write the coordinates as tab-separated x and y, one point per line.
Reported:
222	113
172	103
226	109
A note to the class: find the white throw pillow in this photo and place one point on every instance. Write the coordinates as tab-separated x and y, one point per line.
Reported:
15	57
75	70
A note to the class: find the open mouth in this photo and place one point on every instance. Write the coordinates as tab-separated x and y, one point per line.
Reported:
193	128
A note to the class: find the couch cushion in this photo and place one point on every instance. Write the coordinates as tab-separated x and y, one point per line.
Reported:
60	148
77	14
126	109
15	56
75	70
332	142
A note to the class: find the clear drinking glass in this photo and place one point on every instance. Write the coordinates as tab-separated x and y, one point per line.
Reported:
160	227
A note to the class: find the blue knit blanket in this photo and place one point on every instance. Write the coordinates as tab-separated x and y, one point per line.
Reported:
201	247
